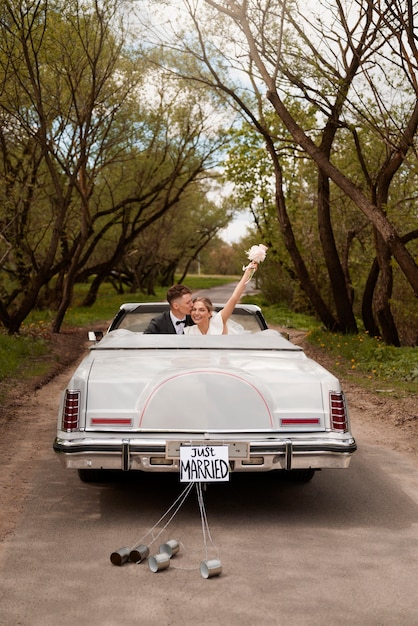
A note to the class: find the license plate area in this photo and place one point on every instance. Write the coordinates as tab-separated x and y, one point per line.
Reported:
237	449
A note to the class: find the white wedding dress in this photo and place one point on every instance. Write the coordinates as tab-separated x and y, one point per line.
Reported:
216	327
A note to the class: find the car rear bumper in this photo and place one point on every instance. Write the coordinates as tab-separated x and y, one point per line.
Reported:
263	456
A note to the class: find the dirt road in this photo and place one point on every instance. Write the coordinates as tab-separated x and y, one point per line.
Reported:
341	550
378	418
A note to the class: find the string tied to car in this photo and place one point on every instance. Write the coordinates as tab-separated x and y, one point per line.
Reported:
189	467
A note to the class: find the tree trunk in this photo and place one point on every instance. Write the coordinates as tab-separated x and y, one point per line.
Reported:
345	314
305	280
67	289
367	301
13	322
91	296
383	294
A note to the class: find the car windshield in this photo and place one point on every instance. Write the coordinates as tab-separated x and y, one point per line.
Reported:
138	320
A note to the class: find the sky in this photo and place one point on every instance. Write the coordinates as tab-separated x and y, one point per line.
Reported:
236	229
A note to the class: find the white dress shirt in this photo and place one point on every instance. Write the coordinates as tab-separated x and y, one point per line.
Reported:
179	327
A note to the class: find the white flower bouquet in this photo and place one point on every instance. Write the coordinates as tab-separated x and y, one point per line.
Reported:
256	254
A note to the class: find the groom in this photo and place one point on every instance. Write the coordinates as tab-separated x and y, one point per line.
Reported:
173	321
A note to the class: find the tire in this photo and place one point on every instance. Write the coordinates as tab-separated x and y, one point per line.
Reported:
92	475
300	475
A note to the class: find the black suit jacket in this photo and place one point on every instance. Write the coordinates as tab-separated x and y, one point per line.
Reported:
162	324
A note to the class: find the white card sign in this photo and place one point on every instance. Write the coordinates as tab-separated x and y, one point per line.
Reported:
204	464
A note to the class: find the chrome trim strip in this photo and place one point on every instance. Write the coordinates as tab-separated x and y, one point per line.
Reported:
278	455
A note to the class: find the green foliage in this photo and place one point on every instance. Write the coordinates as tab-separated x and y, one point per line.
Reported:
20	355
207	282
369	356
118	158
360	144
109	301
281	315
368	359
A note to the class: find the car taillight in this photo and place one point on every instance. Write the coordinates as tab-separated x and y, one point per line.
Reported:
338	411
71	410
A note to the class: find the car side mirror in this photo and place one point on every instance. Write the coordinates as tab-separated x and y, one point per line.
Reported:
95	335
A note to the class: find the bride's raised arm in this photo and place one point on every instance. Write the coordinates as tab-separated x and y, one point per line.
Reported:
228	309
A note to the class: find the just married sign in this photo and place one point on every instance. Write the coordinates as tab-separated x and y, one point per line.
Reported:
204	464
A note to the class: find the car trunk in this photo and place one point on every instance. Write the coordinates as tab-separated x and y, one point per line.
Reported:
206	391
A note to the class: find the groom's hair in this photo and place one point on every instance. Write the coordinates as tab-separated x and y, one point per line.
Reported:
177	291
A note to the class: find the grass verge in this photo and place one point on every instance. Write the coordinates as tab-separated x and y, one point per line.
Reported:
20	354
368	361
20	357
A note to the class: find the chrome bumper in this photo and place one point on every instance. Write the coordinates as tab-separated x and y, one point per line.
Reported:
264	456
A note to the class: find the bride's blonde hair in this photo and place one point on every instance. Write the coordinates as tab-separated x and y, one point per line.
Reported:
208	304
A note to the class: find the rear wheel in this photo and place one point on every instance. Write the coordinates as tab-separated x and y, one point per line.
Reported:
93	475
300	475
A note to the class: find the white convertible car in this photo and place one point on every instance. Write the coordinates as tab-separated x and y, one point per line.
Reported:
137	401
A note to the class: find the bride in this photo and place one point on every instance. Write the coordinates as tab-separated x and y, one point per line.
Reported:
209	323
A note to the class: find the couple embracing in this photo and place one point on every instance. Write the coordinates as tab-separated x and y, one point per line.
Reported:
195	316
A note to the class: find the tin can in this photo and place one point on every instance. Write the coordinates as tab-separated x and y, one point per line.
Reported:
120	556
210	568
139	553
171	547
159	562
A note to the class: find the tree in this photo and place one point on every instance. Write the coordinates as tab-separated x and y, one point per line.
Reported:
59	102
174	242
338	59
361	46
92	152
